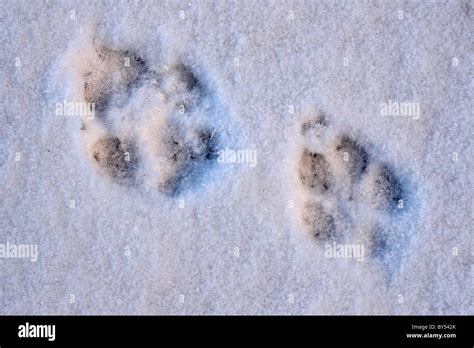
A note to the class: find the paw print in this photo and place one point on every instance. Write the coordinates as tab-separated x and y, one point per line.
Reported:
127	95
344	187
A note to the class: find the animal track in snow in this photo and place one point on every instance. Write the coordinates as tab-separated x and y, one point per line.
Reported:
149	126
339	179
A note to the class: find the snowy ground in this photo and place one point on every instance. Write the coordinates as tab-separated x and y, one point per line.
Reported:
179	230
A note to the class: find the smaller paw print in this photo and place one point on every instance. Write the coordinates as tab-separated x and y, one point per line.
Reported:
343	188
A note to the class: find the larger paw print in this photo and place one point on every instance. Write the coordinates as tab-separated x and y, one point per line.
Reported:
344	187
170	109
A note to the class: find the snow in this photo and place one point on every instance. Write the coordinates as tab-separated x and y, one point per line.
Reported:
230	238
